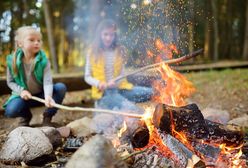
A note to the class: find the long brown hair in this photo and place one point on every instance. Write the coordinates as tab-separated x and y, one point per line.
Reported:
98	46
19	36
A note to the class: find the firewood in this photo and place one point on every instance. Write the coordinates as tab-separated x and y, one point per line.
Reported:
210	153
140	137
186	157
189	120
203	136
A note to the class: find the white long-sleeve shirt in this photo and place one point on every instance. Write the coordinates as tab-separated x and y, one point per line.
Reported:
109	57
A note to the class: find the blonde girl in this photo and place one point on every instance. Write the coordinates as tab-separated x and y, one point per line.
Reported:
29	73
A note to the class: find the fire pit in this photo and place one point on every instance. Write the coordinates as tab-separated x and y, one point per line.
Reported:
182	133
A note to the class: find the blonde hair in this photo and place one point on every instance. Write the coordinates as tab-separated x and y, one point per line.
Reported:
19	36
22	31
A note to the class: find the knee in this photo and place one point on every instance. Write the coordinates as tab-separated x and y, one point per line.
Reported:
60	88
147	91
11	111
150	91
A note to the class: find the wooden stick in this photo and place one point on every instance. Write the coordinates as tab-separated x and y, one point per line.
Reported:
171	61
134	153
89	109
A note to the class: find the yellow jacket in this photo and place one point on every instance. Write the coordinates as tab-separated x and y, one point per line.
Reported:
98	72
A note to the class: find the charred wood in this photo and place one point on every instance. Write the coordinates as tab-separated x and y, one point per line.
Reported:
203	136
190	121
140	137
187	119
208	152
186	157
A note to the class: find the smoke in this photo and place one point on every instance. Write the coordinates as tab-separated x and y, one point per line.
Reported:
140	24
111	123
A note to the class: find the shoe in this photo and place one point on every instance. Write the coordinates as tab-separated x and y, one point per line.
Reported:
47	119
72	144
23	121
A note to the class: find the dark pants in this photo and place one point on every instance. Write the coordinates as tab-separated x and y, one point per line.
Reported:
19	107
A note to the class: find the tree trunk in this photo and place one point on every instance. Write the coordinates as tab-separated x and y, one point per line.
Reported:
206	32
206	40
191	27
215	29
245	49
50	36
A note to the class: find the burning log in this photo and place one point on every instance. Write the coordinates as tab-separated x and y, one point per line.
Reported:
186	125
186	157
208	152
189	121
140	137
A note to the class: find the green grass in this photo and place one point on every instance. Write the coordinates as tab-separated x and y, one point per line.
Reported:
229	79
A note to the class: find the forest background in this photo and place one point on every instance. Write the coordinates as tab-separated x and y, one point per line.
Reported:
218	26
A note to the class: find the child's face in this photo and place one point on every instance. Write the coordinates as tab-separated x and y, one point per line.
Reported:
31	42
108	36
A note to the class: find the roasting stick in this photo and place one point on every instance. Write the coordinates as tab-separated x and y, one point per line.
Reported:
88	109
171	61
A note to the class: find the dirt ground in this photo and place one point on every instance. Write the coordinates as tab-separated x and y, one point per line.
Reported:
225	90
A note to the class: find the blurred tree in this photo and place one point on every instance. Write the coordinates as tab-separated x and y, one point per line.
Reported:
216	31
207	34
245	46
50	36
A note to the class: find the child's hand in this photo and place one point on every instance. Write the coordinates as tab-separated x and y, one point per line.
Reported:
102	86
111	84
49	102
26	95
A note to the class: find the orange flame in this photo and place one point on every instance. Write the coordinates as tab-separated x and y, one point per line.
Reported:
123	129
155	139
149	53
234	156
116	142
166	51
173	89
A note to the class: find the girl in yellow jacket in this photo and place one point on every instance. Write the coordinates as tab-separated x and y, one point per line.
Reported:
104	62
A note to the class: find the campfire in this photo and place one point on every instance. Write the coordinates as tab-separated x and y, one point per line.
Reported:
178	130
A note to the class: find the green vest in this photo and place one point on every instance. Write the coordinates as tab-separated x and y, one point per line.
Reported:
19	77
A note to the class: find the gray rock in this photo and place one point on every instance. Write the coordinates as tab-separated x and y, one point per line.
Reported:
81	127
240	121
53	135
98	152
25	144
216	115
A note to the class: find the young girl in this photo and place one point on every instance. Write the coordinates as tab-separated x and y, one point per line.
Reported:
104	62
28	73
